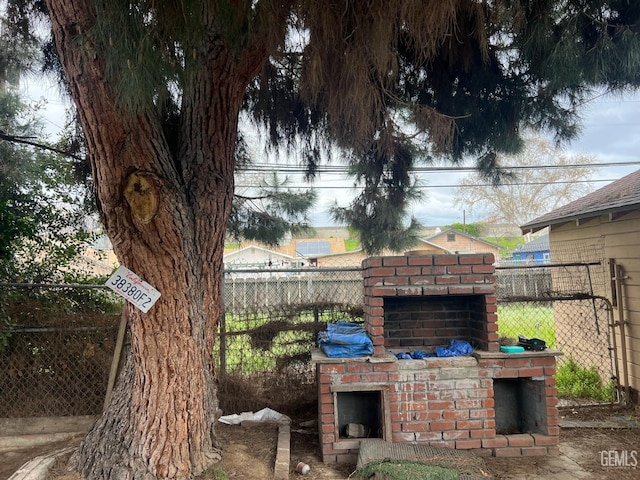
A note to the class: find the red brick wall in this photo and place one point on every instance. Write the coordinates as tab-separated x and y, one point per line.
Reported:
469	278
439	401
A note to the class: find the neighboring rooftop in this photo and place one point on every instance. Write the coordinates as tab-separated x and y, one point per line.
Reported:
458	232
618	197
540	244
310	248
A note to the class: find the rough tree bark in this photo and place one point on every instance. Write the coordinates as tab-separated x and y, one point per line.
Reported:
165	216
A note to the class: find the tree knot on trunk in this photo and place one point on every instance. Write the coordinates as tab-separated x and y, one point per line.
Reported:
141	193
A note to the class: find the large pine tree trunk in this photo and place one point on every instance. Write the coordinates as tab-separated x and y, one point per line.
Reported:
165	213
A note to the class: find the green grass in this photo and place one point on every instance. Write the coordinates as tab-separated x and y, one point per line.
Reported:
351	245
575	381
572	379
270	338
214	473
405	470
530	321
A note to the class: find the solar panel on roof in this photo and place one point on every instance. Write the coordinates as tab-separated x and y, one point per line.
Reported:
318	247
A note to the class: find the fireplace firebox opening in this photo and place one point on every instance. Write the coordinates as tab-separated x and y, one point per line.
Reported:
520	406
429	321
360	414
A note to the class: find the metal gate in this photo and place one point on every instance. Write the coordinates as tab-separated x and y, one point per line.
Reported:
562	305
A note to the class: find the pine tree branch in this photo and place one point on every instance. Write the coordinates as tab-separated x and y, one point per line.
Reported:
25	140
243	197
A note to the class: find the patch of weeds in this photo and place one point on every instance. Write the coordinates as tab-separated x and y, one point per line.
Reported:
574	380
213	473
404	470
219	474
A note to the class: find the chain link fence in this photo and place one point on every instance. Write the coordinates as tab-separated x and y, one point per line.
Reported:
272	320
58	344
566	305
270	328
56	349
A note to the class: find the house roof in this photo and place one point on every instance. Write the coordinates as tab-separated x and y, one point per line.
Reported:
540	244
336	254
618	197
313	248
458	232
235	253
439	247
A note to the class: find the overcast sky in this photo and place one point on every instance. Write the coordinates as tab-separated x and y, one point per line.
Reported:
611	134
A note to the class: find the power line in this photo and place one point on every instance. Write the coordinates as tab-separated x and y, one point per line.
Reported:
342	187
287	168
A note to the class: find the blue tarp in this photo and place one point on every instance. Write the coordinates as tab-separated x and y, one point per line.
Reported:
345	340
456	348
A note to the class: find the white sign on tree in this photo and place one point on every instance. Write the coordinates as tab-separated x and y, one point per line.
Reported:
135	290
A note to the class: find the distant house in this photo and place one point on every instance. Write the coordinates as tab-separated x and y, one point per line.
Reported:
443	243
425	247
604	226
535	252
257	258
352	258
455	241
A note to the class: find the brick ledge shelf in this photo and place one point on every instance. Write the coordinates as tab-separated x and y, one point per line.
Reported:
440	401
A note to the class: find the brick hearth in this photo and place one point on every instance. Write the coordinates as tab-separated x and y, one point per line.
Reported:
490	402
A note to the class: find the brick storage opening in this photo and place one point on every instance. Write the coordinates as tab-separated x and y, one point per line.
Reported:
418	303
519	406
360	414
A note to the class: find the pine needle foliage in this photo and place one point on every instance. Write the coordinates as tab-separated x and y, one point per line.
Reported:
451	80
271	213
391	84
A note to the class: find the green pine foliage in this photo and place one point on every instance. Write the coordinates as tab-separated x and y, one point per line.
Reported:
271	213
468	228
390	84
41	209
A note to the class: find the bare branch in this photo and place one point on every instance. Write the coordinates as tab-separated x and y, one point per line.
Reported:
25	141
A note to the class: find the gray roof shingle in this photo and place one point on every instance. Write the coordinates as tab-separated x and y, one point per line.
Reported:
620	196
540	244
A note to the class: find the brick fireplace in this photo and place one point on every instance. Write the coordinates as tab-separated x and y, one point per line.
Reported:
490	402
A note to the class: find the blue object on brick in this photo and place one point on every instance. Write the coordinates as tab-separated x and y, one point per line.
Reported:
403	356
511	349
419	355
457	348
345	340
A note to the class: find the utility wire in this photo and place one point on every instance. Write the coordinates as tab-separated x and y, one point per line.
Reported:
288	168
342	187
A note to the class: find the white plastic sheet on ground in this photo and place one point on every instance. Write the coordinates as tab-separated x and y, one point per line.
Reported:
264	415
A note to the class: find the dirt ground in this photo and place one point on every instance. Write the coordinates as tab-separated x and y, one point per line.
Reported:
249	453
